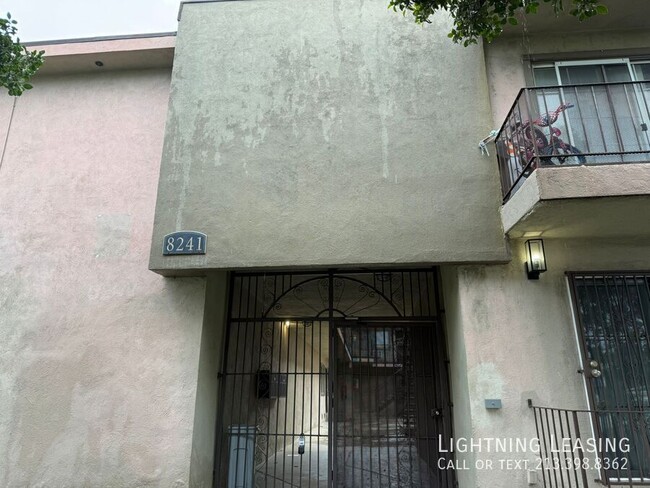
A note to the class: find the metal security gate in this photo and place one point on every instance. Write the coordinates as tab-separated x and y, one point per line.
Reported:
391	406
333	379
613	312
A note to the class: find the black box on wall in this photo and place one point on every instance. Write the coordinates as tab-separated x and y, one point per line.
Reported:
271	385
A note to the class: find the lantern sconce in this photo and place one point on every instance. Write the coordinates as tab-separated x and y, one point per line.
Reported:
536	258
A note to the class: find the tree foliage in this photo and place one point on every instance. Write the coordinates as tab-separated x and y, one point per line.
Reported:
17	64
474	19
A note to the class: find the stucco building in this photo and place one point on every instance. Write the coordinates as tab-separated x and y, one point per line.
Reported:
266	251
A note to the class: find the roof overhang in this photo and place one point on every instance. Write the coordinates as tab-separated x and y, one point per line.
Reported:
114	53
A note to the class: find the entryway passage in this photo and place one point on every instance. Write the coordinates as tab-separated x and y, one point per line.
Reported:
334	379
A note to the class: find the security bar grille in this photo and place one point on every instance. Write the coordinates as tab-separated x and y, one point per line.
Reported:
283	420
613	312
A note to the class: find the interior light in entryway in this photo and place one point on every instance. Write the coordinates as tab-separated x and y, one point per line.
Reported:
536	258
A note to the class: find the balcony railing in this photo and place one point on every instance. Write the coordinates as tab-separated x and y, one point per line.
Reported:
577	447
605	123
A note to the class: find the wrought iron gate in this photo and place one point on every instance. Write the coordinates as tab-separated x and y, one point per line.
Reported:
613	312
391	408
333	379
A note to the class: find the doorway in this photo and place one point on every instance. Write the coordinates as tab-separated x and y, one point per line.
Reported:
333	379
613	315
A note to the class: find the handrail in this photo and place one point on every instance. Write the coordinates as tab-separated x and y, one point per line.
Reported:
576	443
576	124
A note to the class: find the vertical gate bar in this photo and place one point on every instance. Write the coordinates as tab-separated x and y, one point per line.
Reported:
437	371
333	472
550	449
304	380
242	415
411	393
573	443
645	322
352	410
563	455
268	421
375	440
276	436
372	399
311	398
410	275
615	333
403	293
295	397
328	393
428	292
286	331
253	373
387	333
618	470
542	450
282	370
358	466
427	407
332	452
366	408
637	382
628	339
397	438
583	470
255	386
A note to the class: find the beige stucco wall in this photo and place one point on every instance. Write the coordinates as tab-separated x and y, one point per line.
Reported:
98	356
514	339
327	134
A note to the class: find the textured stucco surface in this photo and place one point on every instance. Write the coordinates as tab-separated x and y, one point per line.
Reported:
514	339
98	356
582	201
334	132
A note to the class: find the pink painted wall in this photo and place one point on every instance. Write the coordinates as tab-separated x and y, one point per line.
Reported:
98	355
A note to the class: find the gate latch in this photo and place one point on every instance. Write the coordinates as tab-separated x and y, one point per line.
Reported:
301	444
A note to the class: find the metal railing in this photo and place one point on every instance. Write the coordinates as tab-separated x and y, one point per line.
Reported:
606	123
585	448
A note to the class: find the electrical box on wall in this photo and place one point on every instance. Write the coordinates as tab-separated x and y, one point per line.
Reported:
271	385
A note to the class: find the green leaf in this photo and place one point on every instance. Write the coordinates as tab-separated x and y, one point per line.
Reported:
601	9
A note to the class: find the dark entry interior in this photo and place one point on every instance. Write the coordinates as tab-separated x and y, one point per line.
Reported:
333	379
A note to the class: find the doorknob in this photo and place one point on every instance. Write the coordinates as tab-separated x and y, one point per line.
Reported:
594	371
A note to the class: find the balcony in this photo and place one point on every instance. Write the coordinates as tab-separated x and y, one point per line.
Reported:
563	147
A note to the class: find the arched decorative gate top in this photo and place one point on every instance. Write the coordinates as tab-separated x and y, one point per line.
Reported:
388	294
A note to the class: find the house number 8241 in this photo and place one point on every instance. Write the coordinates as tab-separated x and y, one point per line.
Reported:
184	242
